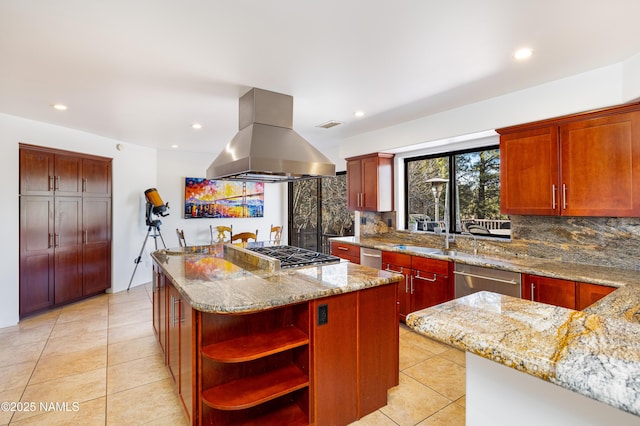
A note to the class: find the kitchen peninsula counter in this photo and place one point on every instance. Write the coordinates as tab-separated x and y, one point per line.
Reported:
594	352
246	342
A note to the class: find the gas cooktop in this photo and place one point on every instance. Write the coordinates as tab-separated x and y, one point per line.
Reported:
293	257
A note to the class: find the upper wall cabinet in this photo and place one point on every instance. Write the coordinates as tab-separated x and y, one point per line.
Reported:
581	165
46	172
370	182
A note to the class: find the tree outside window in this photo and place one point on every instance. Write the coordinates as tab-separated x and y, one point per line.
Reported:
473	188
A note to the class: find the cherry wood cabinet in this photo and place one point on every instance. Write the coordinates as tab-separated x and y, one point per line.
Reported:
565	293
580	165
36	253
45	171
400	263
96	245
529	172
327	361
67	249
350	252
378	342
429	282
600	164
370	182
426	281
548	290
588	294
335	355
255	367
65	231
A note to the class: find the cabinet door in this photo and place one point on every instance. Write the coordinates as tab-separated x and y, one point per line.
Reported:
36	172
68	248
529	172
428	289
354	185
96	180
335	350
369	198
36	253
67	175
96	248
601	166
162	311
378	333
400	263
173	334
588	294
551	291
187	354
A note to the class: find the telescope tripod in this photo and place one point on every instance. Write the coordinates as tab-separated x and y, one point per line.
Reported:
155	226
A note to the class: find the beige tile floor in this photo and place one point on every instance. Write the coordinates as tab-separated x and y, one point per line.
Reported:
96	362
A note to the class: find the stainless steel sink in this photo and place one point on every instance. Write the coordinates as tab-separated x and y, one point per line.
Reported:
420	249
428	250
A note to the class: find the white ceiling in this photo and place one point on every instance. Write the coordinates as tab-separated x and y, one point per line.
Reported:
142	71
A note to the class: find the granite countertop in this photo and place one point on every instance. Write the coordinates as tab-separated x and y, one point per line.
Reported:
211	283
595	352
591	354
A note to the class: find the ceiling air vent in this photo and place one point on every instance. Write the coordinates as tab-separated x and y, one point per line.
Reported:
329	124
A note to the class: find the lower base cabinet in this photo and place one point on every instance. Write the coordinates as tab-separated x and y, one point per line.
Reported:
551	291
346	251
324	362
173	320
588	294
426	281
564	293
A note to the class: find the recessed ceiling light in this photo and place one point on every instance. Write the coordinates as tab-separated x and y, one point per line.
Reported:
174	146
523	53
60	107
359	113
196	126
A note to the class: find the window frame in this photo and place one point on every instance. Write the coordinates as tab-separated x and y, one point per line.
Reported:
450	187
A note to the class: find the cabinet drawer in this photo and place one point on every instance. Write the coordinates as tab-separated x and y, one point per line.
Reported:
440	267
396	259
345	250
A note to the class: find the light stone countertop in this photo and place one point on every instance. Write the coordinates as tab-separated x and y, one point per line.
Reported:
211	283
595	352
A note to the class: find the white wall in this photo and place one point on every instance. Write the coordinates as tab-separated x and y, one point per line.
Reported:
594	89
631	78
174	166
134	170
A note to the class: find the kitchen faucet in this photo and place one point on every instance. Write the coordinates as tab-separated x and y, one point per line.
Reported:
475	241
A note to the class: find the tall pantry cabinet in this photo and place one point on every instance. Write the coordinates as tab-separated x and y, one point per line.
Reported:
65	227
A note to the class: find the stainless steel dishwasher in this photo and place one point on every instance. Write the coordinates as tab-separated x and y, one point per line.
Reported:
470	279
371	257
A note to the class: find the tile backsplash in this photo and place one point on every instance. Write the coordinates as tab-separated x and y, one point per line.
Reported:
603	241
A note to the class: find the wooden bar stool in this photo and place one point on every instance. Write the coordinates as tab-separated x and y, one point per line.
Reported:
245	237
181	239
219	233
275	235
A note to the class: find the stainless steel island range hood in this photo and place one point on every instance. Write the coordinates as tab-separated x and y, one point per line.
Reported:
266	148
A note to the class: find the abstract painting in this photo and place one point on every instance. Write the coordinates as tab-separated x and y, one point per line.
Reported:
206	198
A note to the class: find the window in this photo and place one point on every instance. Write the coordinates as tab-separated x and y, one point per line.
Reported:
461	188
318	211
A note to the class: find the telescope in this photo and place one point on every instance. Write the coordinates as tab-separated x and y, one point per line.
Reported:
157	206
154	205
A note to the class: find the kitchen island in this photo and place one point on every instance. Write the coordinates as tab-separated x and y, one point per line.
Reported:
247	343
